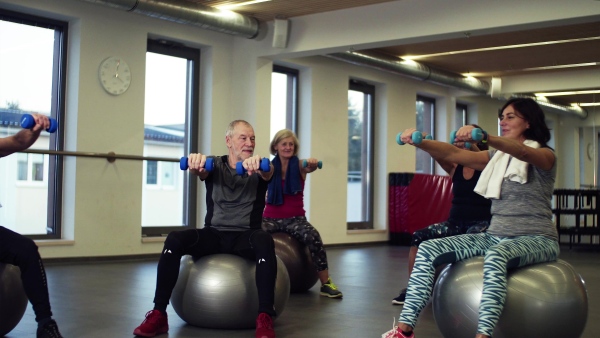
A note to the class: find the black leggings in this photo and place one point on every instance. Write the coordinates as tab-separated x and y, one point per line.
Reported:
254	244
21	251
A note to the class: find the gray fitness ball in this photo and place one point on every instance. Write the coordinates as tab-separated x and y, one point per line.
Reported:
13	300
543	300
219	291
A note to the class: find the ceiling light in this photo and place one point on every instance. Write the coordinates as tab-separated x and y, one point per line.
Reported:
230	6
416	57
577	92
588	104
574	65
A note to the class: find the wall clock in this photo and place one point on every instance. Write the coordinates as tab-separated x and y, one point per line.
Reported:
114	75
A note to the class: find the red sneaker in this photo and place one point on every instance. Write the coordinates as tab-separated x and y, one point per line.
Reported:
264	326
397	333
155	323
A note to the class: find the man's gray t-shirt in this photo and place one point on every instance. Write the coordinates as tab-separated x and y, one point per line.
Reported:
234	202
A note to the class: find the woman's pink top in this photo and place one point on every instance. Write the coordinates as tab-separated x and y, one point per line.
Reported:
293	205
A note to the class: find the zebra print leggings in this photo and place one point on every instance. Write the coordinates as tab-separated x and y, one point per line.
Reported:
500	254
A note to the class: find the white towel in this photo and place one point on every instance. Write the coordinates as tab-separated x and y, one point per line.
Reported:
502	166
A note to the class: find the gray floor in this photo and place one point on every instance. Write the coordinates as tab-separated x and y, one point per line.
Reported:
110	299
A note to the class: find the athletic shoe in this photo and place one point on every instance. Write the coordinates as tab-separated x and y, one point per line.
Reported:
155	323
397	333
49	330
264	326
400	299
330	290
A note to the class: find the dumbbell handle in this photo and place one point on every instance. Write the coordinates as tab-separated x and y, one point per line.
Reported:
417	138
265	165
27	122
476	135
305	164
209	165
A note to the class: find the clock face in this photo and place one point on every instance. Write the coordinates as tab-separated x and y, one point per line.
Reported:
114	75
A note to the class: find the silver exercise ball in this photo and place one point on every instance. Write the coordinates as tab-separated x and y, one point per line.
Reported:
543	300
219	291
298	262
13	300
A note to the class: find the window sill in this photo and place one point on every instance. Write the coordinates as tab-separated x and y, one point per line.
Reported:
154	239
54	242
366	231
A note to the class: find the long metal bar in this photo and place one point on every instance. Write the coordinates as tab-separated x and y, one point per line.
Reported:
110	156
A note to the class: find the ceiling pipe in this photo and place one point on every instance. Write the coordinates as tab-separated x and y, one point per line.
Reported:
413	69
423	72
189	13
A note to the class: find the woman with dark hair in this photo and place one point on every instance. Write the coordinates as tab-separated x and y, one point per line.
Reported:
519	179
469	214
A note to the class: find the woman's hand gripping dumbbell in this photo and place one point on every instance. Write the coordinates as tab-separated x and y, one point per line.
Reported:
417	137
476	135
305	164
28	121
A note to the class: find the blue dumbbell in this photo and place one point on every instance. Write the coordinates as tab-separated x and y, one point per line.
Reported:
27	122
417	138
265	165
305	164
209	165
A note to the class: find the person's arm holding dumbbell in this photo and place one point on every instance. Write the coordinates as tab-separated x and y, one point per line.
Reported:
197	165
25	137
447	152
257	164
309	165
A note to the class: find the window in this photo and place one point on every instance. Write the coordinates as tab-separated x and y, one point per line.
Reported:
425	118
168	196
30	167
32	48
360	155
284	99
151	171
460	116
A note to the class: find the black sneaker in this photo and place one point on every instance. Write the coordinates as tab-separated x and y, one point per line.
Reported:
330	290
49	330
400	299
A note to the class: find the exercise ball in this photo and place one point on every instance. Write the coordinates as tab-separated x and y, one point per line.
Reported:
298	262
219	291
543	300
13	300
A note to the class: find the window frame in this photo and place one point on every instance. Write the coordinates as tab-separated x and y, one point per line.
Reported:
176	49
431	130
292	95
367	161
465	115
57	111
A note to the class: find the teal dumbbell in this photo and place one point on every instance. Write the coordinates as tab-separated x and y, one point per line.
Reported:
417	138
27	122
209	165
265	165
305	164
476	135
453	136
